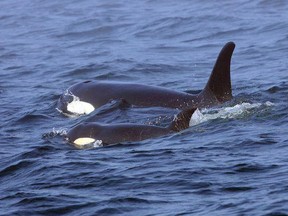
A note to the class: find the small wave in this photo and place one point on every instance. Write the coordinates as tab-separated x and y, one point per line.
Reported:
239	110
252	167
237	189
15	167
32	117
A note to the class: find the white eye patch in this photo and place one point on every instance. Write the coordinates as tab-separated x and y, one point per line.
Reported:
80	107
82	142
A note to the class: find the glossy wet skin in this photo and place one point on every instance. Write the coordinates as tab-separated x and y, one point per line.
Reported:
112	134
90	132
98	93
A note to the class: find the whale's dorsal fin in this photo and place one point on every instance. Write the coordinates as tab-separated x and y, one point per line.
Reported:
181	120
219	83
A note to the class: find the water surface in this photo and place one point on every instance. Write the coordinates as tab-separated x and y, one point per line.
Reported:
230	166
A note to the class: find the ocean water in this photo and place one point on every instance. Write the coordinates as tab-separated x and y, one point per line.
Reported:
232	162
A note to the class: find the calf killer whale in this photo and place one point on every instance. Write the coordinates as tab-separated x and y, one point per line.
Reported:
86	134
85	97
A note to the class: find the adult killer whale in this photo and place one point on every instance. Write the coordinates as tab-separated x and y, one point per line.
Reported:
84	97
86	134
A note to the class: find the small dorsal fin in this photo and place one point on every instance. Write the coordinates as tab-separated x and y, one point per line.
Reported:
181	121
219	83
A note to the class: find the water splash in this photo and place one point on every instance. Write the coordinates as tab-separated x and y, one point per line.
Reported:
55	132
225	112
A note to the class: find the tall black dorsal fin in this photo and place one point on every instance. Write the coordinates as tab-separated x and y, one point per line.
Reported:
219	83
181	120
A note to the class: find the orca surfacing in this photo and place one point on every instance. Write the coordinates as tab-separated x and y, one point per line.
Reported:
86	134
83	98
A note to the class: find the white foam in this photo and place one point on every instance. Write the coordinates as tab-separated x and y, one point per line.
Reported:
197	118
55	132
61	131
224	112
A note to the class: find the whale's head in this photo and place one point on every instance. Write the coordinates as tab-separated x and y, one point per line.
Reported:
84	136
71	105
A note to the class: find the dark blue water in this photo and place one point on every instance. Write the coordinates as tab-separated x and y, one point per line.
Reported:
235	166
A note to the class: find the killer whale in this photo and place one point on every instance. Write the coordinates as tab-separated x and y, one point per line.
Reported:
85	134
85	97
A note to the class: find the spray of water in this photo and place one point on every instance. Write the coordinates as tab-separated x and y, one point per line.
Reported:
200	116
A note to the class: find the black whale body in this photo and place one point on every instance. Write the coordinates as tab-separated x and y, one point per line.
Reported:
97	93
85	134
